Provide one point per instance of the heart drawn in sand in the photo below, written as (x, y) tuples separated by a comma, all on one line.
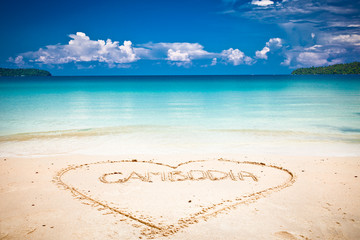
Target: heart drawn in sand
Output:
[(164, 198)]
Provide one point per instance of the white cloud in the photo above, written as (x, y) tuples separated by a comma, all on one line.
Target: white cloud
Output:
[(236, 57), (177, 53), (317, 55), (271, 45), (347, 38), (19, 60), (262, 3), (312, 58), (263, 53), (178, 56), (159, 50), (81, 49), (274, 43), (84, 52), (213, 62), (317, 59)]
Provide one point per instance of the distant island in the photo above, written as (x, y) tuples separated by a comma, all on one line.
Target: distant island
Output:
[(348, 68), (20, 72)]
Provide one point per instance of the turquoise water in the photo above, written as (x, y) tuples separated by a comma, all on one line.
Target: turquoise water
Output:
[(102, 105)]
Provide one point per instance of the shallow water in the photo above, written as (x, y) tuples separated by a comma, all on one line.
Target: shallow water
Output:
[(242, 108)]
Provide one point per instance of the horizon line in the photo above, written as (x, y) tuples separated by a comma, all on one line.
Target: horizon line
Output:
[(161, 75)]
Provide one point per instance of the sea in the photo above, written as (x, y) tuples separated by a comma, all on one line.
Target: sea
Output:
[(275, 114)]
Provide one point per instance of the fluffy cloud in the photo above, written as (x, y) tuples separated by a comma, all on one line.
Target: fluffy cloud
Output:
[(317, 55), (262, 3), (178, 51), (262, 53), (81, 49), (182, 54), (272, 44), (178, 56), (236, 57)]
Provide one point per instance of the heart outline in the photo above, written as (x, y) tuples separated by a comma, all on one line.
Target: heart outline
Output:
[(151, 229)]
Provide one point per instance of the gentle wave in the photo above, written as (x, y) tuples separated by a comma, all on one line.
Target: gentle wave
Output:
[(87, 132), (171, 130)]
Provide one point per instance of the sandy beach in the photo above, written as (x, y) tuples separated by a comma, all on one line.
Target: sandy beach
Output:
[(301, 198)]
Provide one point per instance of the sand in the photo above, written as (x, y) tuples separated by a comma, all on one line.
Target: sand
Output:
[(180, 197)]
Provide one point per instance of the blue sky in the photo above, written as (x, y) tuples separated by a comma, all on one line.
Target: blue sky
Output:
[(178, 37)]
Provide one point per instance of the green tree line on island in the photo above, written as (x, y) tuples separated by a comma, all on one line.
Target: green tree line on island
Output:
[(348, 68), (19, 72)]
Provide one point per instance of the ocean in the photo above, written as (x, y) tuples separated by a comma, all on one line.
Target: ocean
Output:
[(179, 113)]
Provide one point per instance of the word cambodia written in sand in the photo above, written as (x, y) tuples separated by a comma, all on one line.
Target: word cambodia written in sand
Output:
[(171, 197), (174, 176)]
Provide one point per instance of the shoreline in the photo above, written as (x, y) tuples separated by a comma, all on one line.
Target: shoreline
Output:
[(196, 146)]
